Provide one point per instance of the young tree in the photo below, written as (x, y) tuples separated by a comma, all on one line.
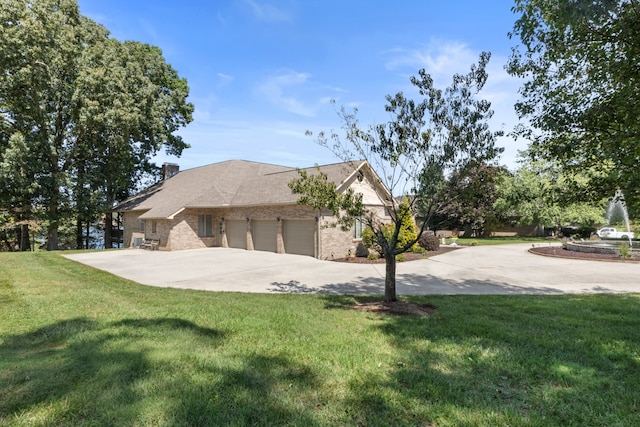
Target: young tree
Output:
[(411, 153), (582, 93)]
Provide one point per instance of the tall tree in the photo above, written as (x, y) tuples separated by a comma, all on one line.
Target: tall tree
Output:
[(130, 103), (18, 187), (469, 197), (411, 153), (542, 193), (582, 93), (92, 110)]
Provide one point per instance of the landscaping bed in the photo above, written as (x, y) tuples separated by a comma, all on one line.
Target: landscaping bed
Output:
[(408, 256), (560, 252)]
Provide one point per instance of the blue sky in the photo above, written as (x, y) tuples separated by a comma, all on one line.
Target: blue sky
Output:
[(262, 72)]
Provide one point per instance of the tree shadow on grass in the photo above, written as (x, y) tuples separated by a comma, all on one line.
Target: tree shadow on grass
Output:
[(136, 372), (260, 390), (508, 360)]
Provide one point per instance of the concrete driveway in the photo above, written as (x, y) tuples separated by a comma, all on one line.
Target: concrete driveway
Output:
[(502, 269)]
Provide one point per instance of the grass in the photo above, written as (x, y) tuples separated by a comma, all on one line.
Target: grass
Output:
[(82, 347)]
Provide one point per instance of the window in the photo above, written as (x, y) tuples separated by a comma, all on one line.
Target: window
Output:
[(154, 227), (142, 225), (205, 225), (358, 226)]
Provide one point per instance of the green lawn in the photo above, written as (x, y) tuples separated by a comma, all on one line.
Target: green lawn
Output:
[(81, 347)]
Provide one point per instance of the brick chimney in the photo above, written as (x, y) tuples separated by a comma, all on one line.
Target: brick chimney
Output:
[(169, 170)]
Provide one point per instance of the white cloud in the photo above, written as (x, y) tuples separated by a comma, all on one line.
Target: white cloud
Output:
[(224, 79), (281, 90), (441, 59), (268, 12)]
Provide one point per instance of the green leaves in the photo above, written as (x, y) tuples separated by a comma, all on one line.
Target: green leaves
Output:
[(93, 111), (318, 192), (582, 93), (412, 152)]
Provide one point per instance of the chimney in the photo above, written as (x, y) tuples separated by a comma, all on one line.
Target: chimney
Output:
[(169, 170)]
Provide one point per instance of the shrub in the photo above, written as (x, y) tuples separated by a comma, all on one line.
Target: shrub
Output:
[(373, 256), (429, 242), (474, 243), (408, 231), (400, 257), (625, 251), (362, 251)]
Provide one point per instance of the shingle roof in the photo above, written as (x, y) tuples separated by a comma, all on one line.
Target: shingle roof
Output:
[(227, 184)]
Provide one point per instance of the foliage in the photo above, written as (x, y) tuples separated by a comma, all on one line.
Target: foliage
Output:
[(82, 114), (541, 193), (79, 346), (361, 250), (319, 192), (470, 194), (582, 95), (408, 234), (625, 251), (429, 242), (411, 154)]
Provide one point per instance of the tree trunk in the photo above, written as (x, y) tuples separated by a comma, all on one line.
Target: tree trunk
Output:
[(54, 218), (468, 231), (24, 238), (108, 227), (52, 237), (390, 277), (79, 234)]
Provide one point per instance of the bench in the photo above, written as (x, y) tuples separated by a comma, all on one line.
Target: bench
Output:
[(150, 244)]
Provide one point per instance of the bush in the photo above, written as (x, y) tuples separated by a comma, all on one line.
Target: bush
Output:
[(429, 242), (373, 256), (625, 251), (400, 257), (362, 251)]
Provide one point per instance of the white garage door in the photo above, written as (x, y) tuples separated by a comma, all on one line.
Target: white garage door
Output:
[(236, 233), (298, 237), (265, 234)]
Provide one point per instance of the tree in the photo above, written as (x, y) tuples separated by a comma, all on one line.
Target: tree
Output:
[(470, 194), (541, 193), (17, 187), (411, 153), (92, 110), (582, 93)]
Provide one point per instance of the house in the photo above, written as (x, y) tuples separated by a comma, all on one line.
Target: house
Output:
[(247, 205)]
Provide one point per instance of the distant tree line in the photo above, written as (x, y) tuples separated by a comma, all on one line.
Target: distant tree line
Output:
[(81, 116)]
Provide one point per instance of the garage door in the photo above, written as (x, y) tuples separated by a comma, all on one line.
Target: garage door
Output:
[(264, 235), (298, 237), (236, 233)]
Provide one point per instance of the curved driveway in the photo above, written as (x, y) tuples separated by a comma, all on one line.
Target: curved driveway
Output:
[(501, 269)]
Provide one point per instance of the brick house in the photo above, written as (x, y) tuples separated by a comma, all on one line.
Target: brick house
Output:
[(247, 205)]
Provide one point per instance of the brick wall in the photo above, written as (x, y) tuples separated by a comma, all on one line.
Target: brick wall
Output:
[(181, 232)]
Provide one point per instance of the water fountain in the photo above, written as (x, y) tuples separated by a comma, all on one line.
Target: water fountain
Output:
[(616, 212)]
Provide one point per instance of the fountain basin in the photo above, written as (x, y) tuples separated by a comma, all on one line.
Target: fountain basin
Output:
[(601, 247)]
